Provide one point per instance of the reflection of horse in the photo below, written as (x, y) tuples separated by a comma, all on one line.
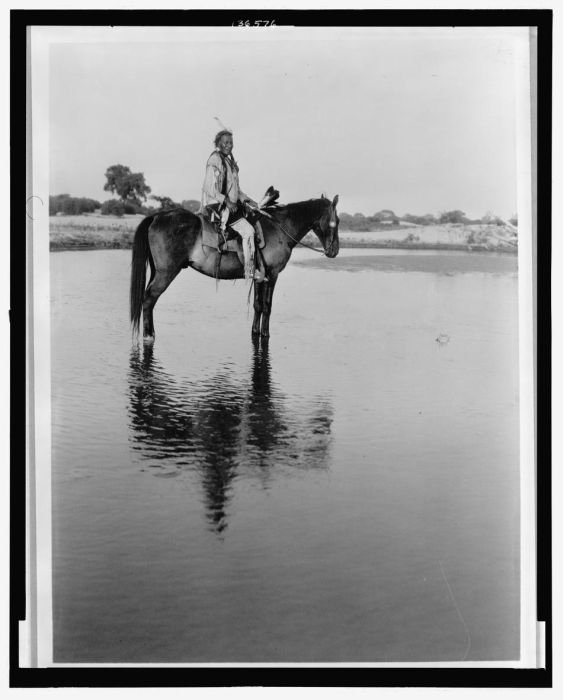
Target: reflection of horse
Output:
[(171, 240), (222, 428)]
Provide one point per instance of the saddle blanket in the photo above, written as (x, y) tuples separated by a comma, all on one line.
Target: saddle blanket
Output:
[(210, 237)]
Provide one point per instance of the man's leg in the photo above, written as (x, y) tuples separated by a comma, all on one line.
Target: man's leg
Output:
[(246, 231), (224, 218)]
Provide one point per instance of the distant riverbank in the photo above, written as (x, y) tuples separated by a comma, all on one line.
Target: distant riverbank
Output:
[(94, 232)]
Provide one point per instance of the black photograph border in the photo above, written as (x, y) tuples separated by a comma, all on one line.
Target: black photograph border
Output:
[(140, 676)]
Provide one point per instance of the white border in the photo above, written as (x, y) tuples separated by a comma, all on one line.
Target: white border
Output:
[(41, 299), (526, 358), (42, 37)]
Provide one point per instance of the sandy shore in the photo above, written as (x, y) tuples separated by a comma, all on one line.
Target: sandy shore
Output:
[(97, 231)]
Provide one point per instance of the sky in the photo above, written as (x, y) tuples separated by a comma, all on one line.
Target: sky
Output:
[(417, 120)]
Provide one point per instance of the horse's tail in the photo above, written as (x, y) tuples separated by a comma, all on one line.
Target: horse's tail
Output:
[(139, 260)]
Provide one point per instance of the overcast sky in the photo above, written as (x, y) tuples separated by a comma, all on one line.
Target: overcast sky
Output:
[(414, 120)]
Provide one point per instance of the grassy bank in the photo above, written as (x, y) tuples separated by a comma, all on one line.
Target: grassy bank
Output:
[(92, 232)]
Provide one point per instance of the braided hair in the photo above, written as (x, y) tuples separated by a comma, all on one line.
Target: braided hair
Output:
[(233, 162)]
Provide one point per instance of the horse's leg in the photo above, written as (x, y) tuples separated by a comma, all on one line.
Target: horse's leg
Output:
[(267, 295), (159, 284), (258, 293)]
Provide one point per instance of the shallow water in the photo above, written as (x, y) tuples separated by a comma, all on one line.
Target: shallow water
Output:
[(348, 492)]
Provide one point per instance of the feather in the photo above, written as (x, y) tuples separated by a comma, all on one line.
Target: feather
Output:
[(221, 125), (270, 196)]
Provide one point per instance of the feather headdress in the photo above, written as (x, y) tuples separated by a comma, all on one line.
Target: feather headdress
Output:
[(222, 126)]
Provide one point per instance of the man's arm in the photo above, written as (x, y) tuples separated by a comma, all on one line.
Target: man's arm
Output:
[(213, 182)]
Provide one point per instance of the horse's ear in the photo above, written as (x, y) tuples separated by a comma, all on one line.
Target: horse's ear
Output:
[(335, 201), (323, 196)]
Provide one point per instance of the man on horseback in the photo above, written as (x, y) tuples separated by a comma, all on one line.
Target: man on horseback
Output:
[(224, 203)]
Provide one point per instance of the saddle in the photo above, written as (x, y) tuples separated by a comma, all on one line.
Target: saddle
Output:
[(211, 235)]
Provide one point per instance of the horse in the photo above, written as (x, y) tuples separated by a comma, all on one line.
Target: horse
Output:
[(171, 240)]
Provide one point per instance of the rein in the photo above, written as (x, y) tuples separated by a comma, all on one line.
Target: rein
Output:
[(305, 245)]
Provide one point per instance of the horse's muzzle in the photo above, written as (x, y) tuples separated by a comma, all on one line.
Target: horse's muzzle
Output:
[(331, 251)]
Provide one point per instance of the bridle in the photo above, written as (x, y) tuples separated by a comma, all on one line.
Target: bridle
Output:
[(332, 225), (316, 227)]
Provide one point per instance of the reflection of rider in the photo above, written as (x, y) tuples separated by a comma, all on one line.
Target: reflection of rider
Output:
[(222, 198), (223, 426)]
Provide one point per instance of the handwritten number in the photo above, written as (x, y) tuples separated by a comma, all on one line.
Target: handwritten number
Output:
[(256, 23)]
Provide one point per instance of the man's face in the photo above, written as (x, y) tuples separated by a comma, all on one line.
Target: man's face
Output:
[(226, 144)]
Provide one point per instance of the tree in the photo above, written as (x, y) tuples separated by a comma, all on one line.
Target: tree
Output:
[(165, 202), (456, 216), (429, 219), (130, 187), (416, 219), (386, 215)]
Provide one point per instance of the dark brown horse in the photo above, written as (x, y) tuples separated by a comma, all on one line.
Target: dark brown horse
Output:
[(171, 240)]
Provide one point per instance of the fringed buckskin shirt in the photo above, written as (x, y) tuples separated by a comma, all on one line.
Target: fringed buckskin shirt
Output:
[(212, 192)]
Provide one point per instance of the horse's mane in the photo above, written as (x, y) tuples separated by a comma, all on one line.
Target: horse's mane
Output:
[(291, 208)]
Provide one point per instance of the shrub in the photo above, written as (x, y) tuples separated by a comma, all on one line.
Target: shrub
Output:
[(56, 203), (132, 208), (455, 216), (165, 202), (66, 204), (70, 206), (113, 207), (425, 220)]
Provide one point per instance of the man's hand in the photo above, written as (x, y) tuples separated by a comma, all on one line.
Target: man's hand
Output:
[(231, 206)]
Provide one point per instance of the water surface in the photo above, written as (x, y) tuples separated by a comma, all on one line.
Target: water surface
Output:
[(347, 492)]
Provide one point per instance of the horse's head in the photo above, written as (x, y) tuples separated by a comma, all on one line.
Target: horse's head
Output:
[(326, 227)]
